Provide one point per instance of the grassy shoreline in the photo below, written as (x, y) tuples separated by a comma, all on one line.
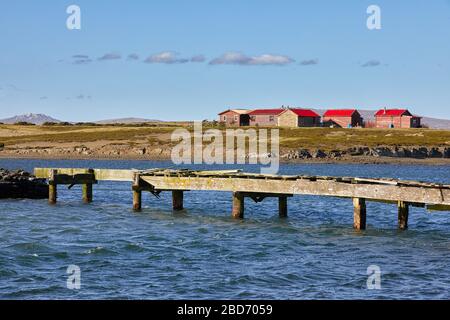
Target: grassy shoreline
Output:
[(289, 137), (126, 142)]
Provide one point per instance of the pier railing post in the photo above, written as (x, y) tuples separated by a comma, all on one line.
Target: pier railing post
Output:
[(52, 187), (282, 206), (137, 193), (403, 213), (177, 200), (238, 205), (359, 213), (87, 189)]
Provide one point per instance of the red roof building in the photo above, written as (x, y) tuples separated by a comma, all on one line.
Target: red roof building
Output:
[(264, 117), (305, 113), (298, 118), (396, 118), (266, 111), (235, 117), (344, 118)]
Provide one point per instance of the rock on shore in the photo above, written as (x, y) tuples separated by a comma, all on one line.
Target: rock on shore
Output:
[(392, 152), (162, 152), (20, 185)]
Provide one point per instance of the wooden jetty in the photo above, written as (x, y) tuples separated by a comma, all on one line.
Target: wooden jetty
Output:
[(433, 196)]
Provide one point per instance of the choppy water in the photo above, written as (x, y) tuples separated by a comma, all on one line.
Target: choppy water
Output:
[(202, 253)]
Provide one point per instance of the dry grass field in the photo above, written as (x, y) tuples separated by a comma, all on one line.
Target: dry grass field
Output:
[(324, 138)]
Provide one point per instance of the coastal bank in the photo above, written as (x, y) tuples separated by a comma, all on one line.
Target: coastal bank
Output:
[(303, 145)]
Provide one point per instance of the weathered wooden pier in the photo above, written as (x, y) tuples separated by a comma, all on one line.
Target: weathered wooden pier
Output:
[(403, 194)]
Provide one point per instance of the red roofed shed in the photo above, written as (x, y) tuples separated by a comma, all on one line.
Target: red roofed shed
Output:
[(298, 118), (234, 117), (396, 118), (264, 117), (345, 118)]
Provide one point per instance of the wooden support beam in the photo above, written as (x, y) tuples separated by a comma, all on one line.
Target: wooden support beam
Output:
[(137, 200), (137, 193), (359, 213), (282, 206), (100, 174), (416, 194), (52, 193), (87, 189), (256, 198), (438, 207), (403, 213), (265, 195), (412, 204), (87, 192), (52, 187), (177, 200), (238, 205), (81, 178)]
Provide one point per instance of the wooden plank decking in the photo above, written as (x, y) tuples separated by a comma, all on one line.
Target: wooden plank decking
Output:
[(257, 187)]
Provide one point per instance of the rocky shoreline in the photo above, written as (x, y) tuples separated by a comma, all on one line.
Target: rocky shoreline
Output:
[(21, 185), (358, 154), (377, 152)]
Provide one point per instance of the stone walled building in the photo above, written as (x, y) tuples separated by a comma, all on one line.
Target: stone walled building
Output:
[(344, 118), (396, 118), (264, 117), (235, 117), (298, 118)]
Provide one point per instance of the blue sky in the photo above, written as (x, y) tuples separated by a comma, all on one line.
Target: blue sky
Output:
[(252, 53)]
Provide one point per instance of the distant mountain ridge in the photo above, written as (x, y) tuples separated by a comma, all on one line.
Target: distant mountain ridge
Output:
[(39, 118), (36, 118), (126, 120)]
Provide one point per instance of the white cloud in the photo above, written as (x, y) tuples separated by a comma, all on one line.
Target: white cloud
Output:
[(167, 57), (238, 58)]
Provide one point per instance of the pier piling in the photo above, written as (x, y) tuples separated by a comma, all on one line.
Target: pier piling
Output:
[(403, 213), (137, 200), (52, 187), (87, 192), (282, 206), (87, 189), (52, 193), (359, 213), (137, 193), (238, 205), (177, 200)]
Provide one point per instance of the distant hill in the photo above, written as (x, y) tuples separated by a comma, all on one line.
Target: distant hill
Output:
[(39, 118), (126, 120), (436, 123), (433, 123), (36, 118)]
